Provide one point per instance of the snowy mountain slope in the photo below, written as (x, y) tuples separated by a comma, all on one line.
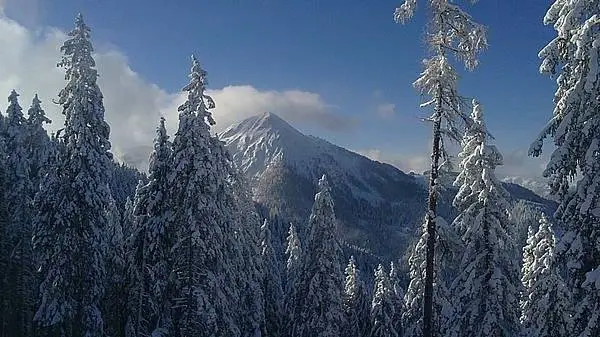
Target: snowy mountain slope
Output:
[(378, 206)]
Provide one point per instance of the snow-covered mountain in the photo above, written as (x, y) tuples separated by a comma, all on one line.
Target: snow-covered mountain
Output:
[(537, 185), (378, 206)]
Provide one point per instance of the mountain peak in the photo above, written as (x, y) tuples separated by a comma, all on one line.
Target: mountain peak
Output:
[(260, 124), (262, 139)]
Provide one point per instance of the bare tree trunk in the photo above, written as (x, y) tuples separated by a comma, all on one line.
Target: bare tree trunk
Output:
[(430, 216)]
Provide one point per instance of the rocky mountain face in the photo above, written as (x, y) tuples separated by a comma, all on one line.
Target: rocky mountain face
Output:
[(378, 206)]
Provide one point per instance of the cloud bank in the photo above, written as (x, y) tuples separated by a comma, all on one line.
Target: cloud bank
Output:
[(133, 105)]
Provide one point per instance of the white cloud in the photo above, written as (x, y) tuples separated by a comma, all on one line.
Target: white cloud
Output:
[(386, 110), (406, 163), (516, 163), (373, 154), (133, 106), (235, 103)]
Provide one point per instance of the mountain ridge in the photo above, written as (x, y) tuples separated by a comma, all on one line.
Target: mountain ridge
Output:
[(379, 207)]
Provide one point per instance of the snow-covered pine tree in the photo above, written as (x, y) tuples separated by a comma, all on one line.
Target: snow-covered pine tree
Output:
[(412, 316), (356, 303), (452, 31), (4, 247), (38, 140), (114, 304), (545, 302), (382, 307), (487, 285), (250, 266), (397, 298), (71, 219), (318, 309), (19, 197), (572, 56), (201, 200), (293, 251), (147, 248), (271, 284)]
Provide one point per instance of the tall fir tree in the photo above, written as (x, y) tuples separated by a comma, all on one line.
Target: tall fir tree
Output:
[(318, 308), (4, 246), (572, 57), (450, 31), (250, 266), (114, 305), (382, 307), (293, 251), (201, 199), (545, 302), (148, 246), (486, 287), (356, 303), (19, 198), (412, 316), (38, 140), (271, 284), (69, 239), (397, 298)]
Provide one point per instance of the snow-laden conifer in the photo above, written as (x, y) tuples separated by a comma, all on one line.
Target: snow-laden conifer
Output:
[(572, 57), (70, 232), (450, 31), (486, 287), (148, 246), (318, 308), (397, 298), (4, 244), (201, 199), (356, 303), (250, 265), (271, 284), (115, 297), (38, 140), (412, 316), (20, 271), (382, 307), (545, 302), (293, 251)]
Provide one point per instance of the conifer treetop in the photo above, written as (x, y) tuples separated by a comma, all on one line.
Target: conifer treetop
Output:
[(198, 102), (36, 113)]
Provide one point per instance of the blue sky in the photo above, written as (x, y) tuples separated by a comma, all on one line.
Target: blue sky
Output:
[(349, 52)]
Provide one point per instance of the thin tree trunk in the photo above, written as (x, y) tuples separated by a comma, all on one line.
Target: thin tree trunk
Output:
[(430, 216)]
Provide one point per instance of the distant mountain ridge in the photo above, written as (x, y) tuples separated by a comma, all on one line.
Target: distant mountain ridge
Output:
[(378, 206)]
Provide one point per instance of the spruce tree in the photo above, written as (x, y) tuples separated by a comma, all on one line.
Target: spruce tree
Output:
[(451, 31), (250, 265), (201, 200), (572, 58), (486, 287), (293, 251), (382, 307), (318, 308), (38, 141), (271, 283), (545, 302), (357, 307), (412, 316), (69, 238), (4, 246), (397, 298), (115, 298), (19, 198), (147, 248)]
